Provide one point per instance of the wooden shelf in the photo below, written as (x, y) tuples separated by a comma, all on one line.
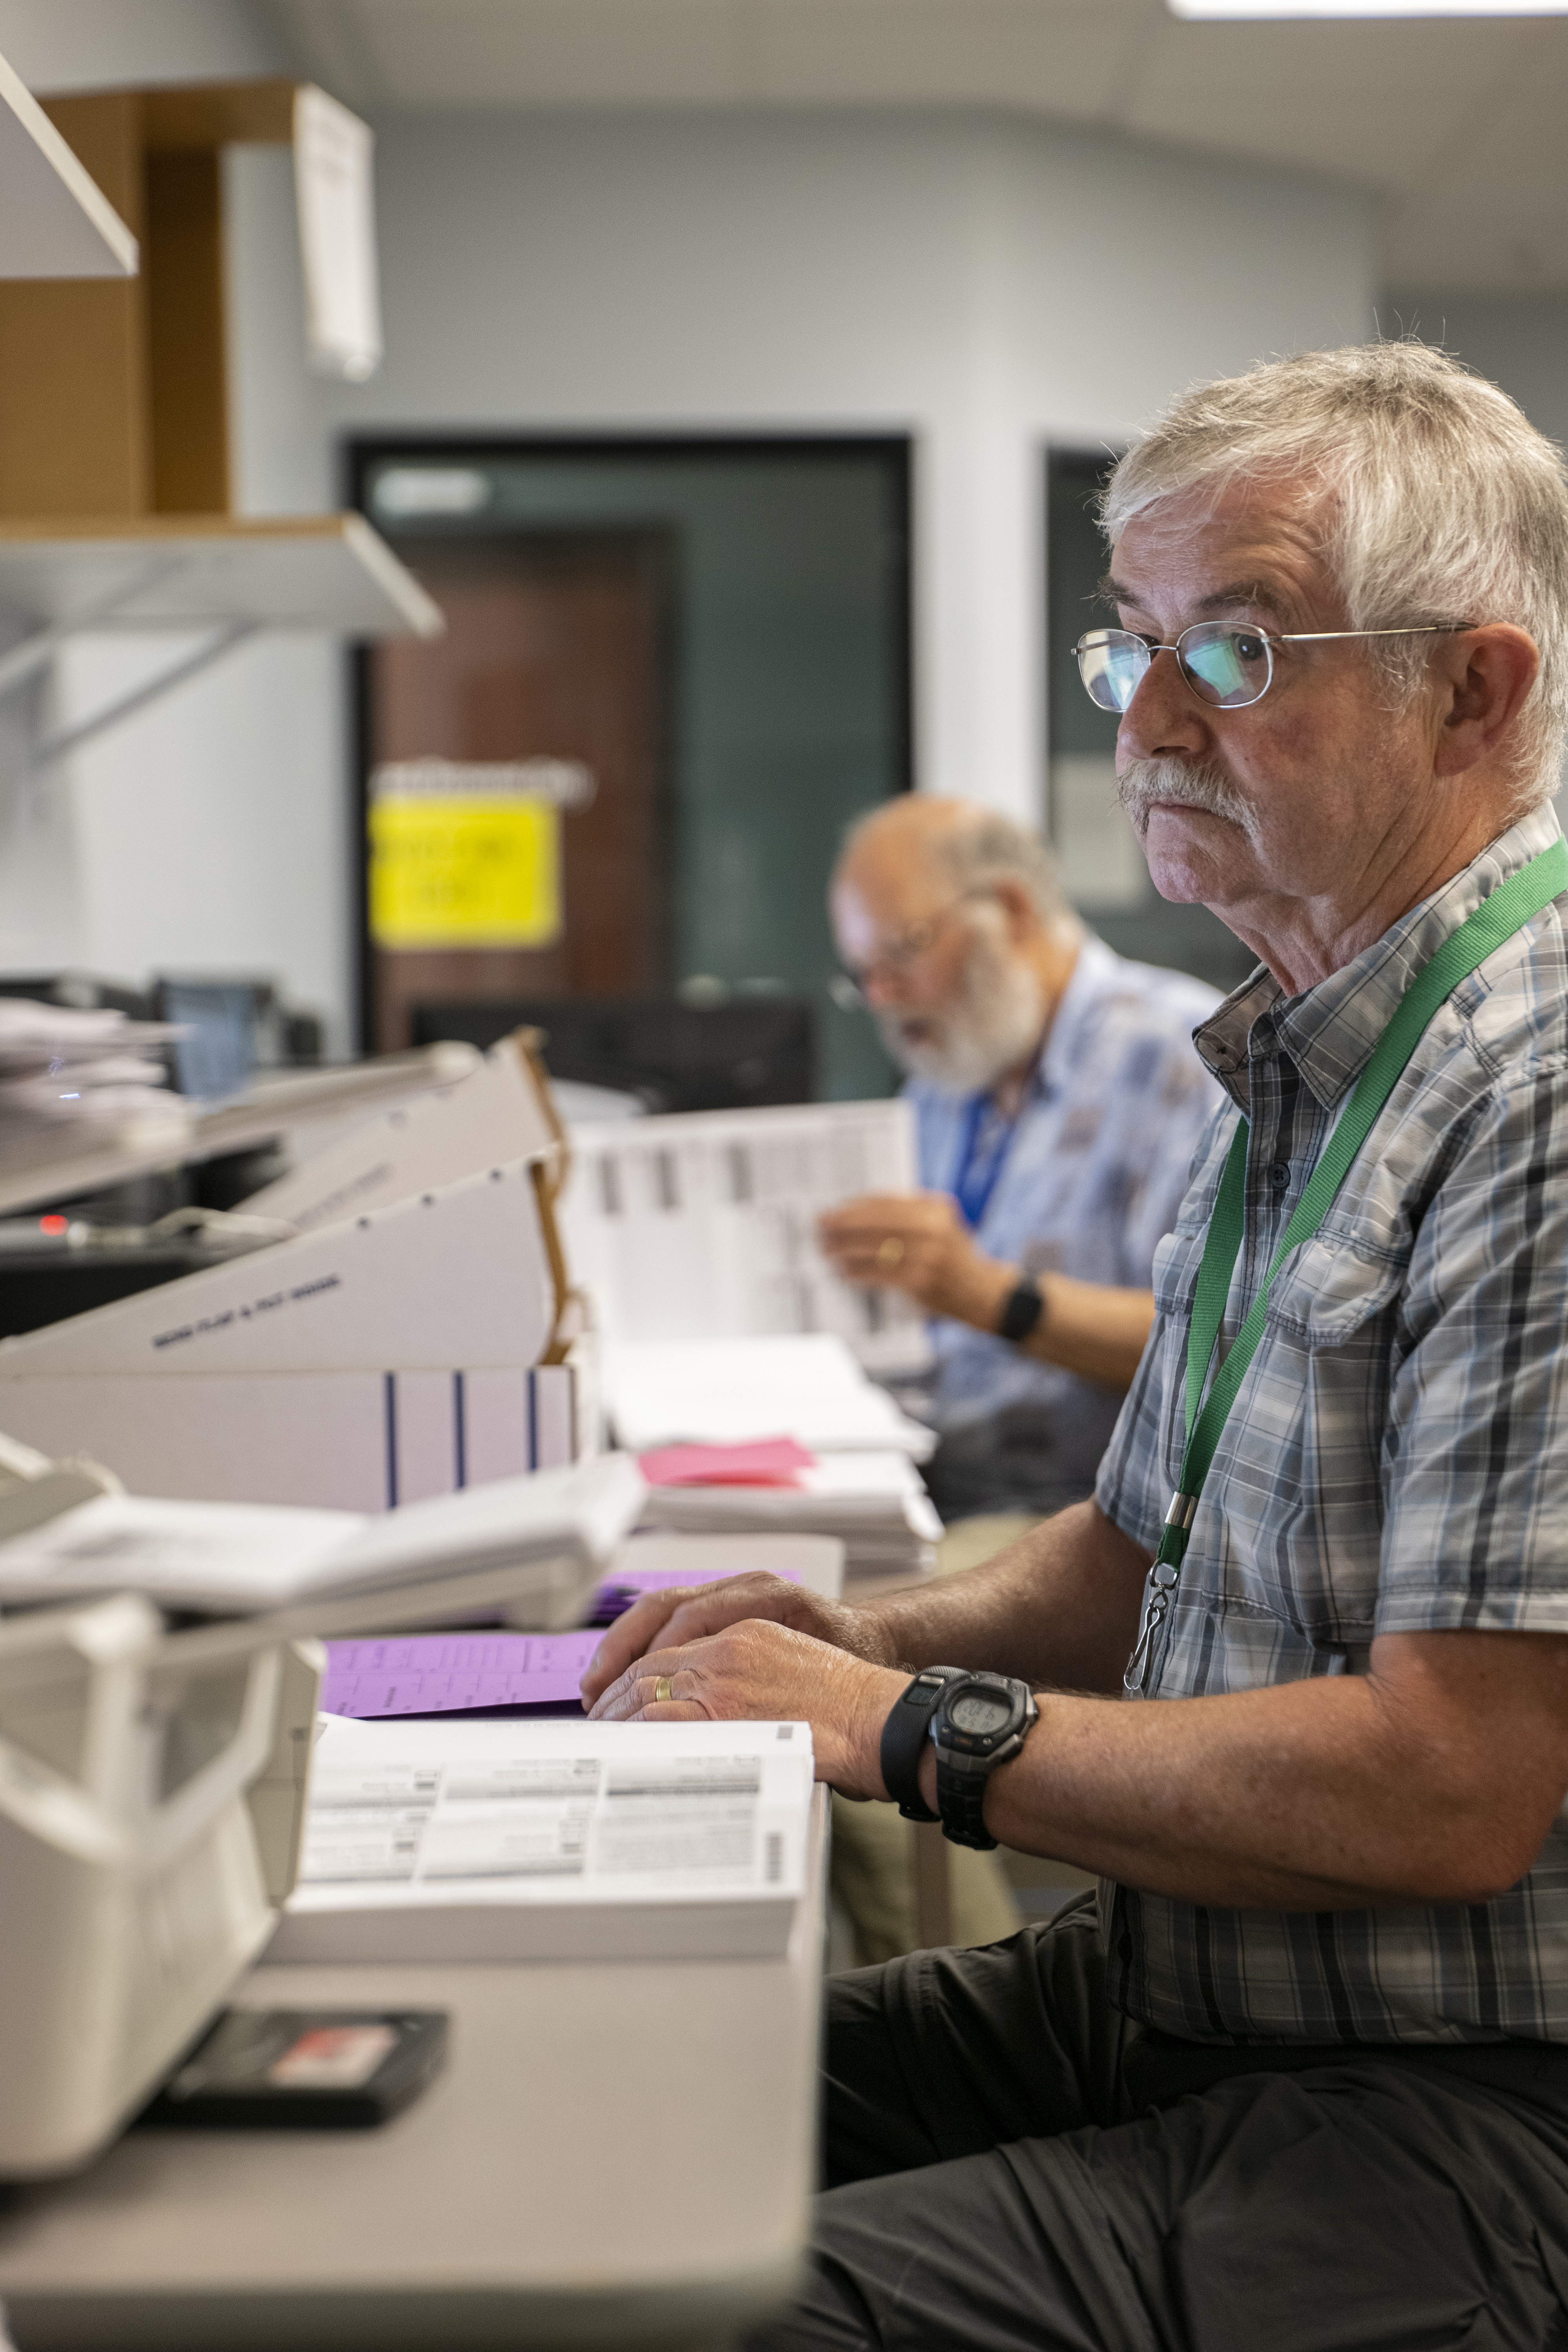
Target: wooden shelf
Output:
[(71, 573), (55, 220)]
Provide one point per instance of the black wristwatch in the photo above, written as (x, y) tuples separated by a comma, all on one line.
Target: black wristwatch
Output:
[(980, 1722), (1026, 1305), (904, 1737)]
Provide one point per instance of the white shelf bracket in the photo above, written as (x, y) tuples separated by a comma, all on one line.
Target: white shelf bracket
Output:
[(60, 745), (23, 661)]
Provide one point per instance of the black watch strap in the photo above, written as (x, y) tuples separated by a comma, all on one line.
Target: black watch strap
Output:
[(960, 1804), (1026, 1305), (905, 1738)]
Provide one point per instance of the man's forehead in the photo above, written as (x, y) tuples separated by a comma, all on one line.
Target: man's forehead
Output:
[(1259, 548)]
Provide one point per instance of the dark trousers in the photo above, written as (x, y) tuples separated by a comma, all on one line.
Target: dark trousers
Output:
[(1012, 2167)]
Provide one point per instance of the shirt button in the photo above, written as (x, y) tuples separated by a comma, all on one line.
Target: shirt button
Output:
[(1279, 1174)]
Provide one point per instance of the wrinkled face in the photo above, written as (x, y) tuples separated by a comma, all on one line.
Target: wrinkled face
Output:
[(1293, 796), (956, 1003)]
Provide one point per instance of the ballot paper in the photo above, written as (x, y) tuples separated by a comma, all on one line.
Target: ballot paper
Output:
[(478, 1840), (442, 1673), (703, 1224), (446, 1674), (807, 1387), (232, 1558)]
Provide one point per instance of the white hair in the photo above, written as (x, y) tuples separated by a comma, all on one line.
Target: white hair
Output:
[(1441, 503), (988, 848)]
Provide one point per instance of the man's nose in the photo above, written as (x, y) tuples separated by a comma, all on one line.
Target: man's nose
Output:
[(883, 989), (1164, 715)]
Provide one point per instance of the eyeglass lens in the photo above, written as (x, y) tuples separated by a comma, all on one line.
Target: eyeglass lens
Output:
[(1225, 666)]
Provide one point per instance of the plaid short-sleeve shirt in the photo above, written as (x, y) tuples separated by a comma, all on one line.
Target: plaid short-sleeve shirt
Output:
[(1396, 1461)]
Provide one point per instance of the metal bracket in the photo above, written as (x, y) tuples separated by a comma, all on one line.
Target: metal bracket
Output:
[(67, 739), (23, 661)]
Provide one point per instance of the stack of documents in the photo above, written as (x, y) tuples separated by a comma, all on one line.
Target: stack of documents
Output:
[(725, 1391), (486, 1840), (856, 1479), (70, 1077), (874, 1502)]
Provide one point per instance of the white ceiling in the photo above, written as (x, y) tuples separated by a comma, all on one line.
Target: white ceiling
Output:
[(1458, 125)]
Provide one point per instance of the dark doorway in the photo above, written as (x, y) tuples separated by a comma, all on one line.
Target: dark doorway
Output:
[(771, 597), (553, 651)]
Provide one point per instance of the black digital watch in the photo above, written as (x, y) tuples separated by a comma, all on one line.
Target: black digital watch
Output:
[(904, 1737), (980, 1721)]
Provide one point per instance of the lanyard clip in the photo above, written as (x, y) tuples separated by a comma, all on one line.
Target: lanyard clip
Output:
[(1164, 1577)]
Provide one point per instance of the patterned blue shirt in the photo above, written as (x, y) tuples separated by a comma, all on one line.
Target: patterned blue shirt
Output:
[(1089, 1180), (1396, 1461)]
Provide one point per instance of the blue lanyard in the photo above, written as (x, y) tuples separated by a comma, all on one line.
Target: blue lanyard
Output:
[(976, 1183)]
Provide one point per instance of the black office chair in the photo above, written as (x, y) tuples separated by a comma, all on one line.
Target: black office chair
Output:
[(735, 1055)]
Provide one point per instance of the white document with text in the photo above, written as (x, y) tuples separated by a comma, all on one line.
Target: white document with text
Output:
[(508, 1840)]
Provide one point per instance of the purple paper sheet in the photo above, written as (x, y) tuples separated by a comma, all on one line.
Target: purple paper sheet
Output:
[(452, 1674), (445, 1674)]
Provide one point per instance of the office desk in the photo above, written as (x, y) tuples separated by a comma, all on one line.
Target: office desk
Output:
[(615, 2156)]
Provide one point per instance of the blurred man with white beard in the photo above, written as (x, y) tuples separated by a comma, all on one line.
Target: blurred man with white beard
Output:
[(1058, 1100)]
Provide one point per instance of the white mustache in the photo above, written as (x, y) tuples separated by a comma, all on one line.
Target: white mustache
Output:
[(1178, 784)]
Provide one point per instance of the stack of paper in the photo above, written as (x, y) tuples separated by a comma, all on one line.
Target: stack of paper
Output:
[(727, 1391), (87, 1076), (484, 1840), (874, 1502)]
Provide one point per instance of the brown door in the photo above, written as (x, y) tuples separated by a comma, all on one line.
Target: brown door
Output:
[(553, 650)]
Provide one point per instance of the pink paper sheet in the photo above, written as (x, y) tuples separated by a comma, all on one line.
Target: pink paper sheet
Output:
[(761, 1462)]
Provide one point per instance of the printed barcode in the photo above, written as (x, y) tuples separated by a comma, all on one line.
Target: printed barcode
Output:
[(773, 1857)]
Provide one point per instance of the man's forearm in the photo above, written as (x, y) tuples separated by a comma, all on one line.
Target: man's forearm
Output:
[(1324, 1795), (1060, 1607)]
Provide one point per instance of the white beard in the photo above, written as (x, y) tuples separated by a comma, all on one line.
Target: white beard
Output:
[(998, 1018)]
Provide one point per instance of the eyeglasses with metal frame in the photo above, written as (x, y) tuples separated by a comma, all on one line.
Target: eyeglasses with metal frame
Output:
[(894, 956), (1227, 667)]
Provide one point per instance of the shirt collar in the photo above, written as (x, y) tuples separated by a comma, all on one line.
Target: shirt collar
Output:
[(1329, 1031)]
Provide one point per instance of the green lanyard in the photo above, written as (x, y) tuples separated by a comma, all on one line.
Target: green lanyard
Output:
[(1495, 920)]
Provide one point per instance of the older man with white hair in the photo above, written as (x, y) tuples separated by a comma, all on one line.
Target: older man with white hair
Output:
[(1295, 1683), (1057, 1103)]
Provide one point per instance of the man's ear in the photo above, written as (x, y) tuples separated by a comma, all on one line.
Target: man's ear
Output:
[(1485, 677), (1022, 917)]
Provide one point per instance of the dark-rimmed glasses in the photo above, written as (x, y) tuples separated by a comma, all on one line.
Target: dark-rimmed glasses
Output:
[(1226, 666)]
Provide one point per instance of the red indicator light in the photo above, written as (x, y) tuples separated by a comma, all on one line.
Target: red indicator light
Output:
[(54, 1225)]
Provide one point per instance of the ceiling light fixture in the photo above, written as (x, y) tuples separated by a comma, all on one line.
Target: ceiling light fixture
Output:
[(1237, 10)]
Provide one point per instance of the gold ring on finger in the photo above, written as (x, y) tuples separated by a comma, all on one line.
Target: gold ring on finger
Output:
[(663, 1691), (891, 1252)]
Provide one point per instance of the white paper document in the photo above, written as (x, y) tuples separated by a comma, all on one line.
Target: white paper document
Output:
[(723, 1391), (333, 158), (703, 1224), (506, 1840)]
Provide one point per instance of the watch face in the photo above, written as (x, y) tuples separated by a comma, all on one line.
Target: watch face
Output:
[(980, 1711)]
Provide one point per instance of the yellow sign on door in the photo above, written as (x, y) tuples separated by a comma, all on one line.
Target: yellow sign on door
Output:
[(446, 872)]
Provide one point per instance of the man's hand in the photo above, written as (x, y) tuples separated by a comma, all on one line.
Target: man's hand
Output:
[(770, 1674), (919, 1244), (686, 1612)]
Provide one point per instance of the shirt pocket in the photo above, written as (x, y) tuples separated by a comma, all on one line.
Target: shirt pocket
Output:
[(1332, 1287)]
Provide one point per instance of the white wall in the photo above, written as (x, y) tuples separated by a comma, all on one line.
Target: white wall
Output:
[(986, 285)]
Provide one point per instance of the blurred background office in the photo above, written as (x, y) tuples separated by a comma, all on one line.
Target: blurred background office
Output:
[(749, 368)]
